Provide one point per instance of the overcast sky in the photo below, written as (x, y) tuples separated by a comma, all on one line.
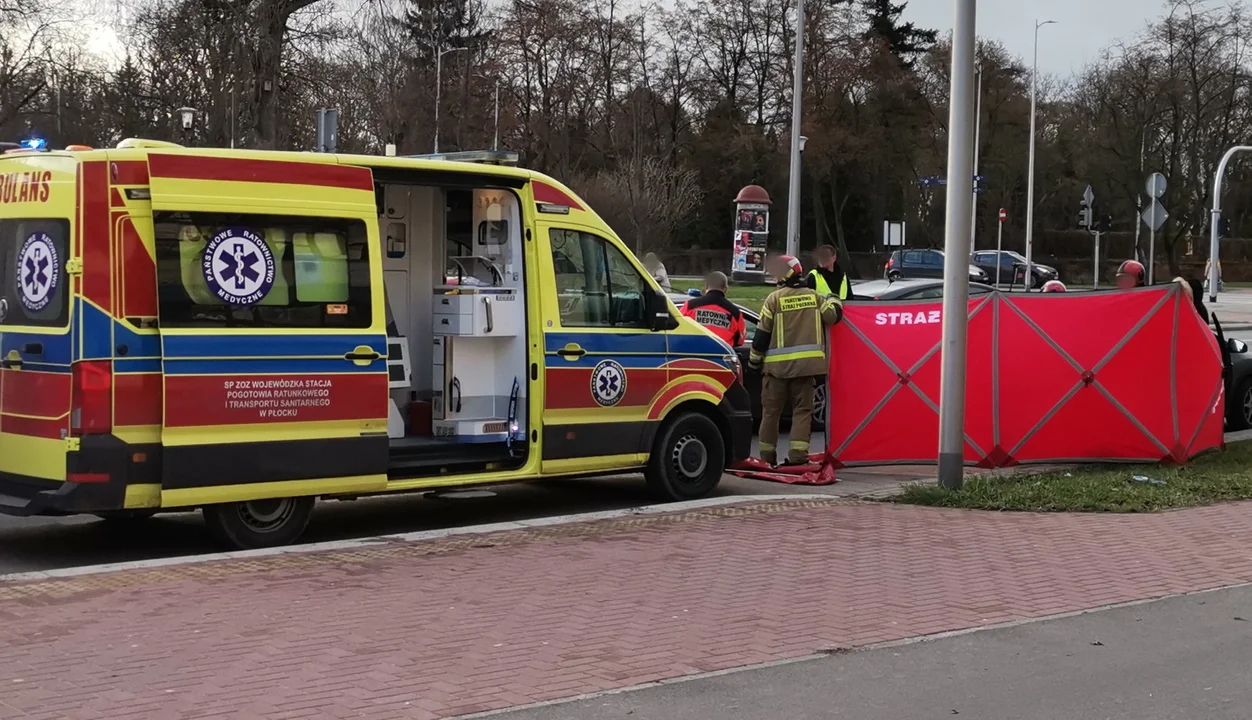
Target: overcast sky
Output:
[(1084, 27)]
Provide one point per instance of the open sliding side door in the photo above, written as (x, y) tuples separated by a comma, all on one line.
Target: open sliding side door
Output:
[(272, 324)]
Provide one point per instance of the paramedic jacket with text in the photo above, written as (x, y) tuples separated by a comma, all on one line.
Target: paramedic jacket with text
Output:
[(719, 315)]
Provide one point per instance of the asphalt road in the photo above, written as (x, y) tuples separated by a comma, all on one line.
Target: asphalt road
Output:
[(1183, 657), (28, 544)]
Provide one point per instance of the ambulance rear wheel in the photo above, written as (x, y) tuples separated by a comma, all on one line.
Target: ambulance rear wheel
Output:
[(687, 460), (259, 523)]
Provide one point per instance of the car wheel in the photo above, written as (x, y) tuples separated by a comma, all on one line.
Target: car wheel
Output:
[(893, 276), (1239, 407), (819, 404), (259, 523), (687, 460)]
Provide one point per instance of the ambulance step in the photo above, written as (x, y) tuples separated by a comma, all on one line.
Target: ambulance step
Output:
[(12, 505), (418, 457)]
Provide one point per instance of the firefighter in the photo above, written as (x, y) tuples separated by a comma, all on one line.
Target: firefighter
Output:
[(1130, 275), (712, 310), (828, 277), (1054, 286), (790, 351)]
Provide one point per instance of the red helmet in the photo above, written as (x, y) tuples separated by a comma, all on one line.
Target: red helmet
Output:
[(1054, 286), (1133, 268), (793, 266)]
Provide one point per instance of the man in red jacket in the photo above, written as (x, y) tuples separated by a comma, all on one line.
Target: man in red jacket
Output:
[(715, 312)]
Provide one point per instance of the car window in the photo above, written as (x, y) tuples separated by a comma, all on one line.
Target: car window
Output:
[(978, 290), (914, 258), (596, 285), (934, 259), (749, 330), (927, 293)]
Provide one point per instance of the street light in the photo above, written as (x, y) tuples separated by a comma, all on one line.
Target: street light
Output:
[(1030, 173), (439, 87), (188, 118), (797, 141)]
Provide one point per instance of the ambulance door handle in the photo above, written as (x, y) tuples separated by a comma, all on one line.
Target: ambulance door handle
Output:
[(487, 306), (12, 361), (571, 351), (362, 355)]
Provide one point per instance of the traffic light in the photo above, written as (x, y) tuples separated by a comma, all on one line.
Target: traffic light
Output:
[(1104, 224), (1085, 215), (1223, 228)]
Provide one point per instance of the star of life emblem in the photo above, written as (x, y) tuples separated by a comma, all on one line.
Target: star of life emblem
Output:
[(608, 383)]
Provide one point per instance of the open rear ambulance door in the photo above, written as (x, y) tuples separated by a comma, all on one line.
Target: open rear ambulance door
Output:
[(272, 327)]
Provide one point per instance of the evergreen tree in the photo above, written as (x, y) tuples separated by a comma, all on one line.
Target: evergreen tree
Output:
[(904, 39)]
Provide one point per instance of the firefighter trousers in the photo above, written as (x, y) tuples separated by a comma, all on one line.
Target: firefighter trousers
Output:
[(775, 392)]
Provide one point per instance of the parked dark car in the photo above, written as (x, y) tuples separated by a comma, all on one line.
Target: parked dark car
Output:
[(924, 263), (908, 290), (1012, 268)]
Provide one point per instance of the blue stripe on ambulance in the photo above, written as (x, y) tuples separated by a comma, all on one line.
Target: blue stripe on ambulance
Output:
[(56, 355), (608, 343)]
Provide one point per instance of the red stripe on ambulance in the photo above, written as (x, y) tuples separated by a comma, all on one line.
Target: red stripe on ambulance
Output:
[(137, 399), (260, 171), (97, 269), (37, 394), (200, 400)]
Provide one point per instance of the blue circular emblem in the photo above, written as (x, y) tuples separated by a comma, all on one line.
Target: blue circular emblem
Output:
[(608, 383), (38, 271), (238, 266)]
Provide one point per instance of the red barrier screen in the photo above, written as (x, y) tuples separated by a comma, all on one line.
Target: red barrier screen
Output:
[(1116, 376)]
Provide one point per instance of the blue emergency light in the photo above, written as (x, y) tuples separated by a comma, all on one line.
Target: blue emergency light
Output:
[(35, 143)]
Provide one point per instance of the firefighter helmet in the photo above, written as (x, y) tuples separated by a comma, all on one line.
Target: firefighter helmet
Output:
[(1054, 286), (792, 265), (1133, 268)]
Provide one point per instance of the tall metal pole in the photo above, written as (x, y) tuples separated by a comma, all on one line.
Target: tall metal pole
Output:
[(956, 249), (1151, 252), (495, 145), (1143, 137), (999, 256), (973, 215), (1095, 285), (1030, 173), (439, 93), (1216, 217), (797, 110)]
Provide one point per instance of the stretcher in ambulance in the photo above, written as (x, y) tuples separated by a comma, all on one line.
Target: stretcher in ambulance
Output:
[(246, 332)]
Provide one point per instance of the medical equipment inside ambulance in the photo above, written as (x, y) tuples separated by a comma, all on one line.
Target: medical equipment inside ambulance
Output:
[(457, 334)]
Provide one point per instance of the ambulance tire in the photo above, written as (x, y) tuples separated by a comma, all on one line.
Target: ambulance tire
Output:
[(688, 458), (259, 523)]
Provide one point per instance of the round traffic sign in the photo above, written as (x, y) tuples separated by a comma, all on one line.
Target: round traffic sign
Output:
[(1004, 214), (1155, 185)]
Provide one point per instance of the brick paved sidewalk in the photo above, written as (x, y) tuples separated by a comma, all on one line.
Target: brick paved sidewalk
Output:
[(470, 623)]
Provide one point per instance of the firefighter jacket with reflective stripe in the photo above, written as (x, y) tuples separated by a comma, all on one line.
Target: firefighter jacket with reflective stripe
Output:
[(790, 338), (719, 315), (823, 281)]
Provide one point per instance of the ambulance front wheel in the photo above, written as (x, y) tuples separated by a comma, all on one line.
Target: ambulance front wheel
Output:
[(687, 460), (259, 523)]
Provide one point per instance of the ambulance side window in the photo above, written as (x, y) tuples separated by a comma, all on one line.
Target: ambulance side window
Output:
[(596, 286), (270, 271)]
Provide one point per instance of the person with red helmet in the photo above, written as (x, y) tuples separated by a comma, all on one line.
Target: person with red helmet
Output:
[(789, 349), (717, 314), (1131, 275), (1054, 286)]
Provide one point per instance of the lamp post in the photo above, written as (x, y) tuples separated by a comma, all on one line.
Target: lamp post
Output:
[(973, 220), (960, 205), (797, 142), (186, 120), (439, 87), (1030, 173)]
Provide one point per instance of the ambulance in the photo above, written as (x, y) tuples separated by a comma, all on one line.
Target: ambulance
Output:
[(246, 332)]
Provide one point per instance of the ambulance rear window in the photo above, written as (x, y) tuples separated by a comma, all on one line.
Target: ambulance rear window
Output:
[(237, 270), (33, 281)]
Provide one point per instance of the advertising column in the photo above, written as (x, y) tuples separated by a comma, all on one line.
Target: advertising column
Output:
[(751, 235)]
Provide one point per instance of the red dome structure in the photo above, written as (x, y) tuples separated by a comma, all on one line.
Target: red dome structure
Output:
[(753, 194)]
